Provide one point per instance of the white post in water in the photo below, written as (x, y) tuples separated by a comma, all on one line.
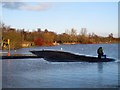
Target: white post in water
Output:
[(61, 48)]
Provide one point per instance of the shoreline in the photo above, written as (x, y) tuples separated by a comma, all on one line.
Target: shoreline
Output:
[(60, 44)]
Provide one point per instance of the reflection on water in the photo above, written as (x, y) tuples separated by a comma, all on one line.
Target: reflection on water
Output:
[(100, 67), (39, 73), (43, 74), (8, 63)]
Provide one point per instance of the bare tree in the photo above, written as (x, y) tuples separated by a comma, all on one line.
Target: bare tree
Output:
[(83, 31)]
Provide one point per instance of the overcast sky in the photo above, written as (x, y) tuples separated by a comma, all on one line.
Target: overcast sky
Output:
[(98, 17)]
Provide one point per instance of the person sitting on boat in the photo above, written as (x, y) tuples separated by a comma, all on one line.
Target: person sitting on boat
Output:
[(100, 53)]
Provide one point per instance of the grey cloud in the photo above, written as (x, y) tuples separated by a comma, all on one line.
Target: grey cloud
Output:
[(12, 5), (26, 6), (38, 7)]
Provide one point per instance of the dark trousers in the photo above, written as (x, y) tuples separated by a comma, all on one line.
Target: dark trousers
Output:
[(99, 56)]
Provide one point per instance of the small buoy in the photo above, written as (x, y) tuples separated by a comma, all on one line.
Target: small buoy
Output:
[(15, 50), (61, 48)]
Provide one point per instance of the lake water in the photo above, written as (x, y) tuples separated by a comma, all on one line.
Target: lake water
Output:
[(39, 73)]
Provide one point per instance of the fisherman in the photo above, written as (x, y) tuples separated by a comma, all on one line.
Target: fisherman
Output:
[(100, 52)]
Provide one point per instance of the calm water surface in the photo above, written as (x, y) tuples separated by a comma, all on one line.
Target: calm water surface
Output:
[(39, 73)]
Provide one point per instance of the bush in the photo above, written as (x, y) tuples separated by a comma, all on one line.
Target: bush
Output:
[(41, 42)]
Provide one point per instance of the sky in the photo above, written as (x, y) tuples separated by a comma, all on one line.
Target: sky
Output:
[(98, 17)]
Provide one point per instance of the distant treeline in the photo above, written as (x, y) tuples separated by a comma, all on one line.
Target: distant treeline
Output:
[(47, 38)]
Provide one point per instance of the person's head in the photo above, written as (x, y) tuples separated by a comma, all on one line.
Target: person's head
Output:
[(100, 47)]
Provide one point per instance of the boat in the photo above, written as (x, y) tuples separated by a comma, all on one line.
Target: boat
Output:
[(61, 56)]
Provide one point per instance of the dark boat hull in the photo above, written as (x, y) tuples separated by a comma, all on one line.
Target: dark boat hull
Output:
[(59, 56)]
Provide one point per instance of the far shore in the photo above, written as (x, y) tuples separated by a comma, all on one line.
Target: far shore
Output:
[(83, 43), (27, 46)]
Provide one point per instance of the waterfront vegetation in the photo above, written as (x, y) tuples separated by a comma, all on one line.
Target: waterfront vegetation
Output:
[(21, 38)]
